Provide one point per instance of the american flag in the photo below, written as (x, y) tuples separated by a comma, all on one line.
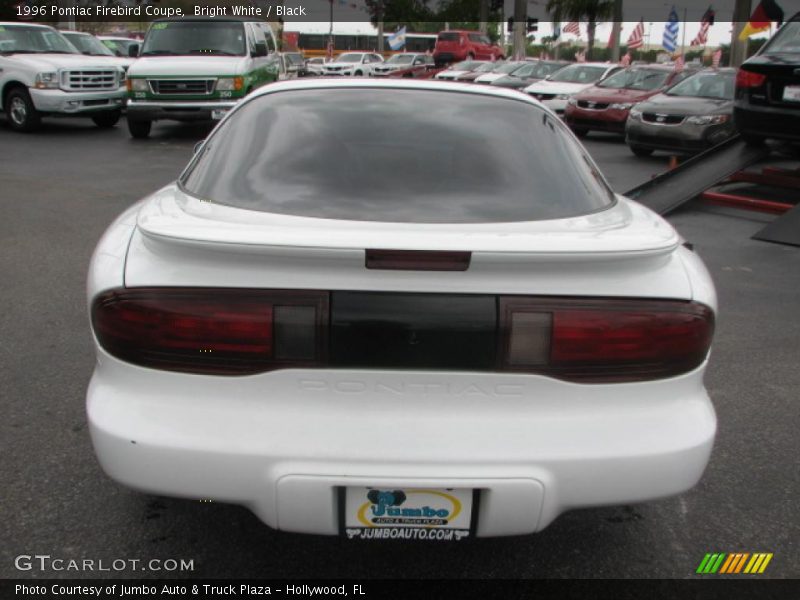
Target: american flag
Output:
[(625, 61), (706, 22), (572, 27), (637, 37), (680, 63), (716, 58)]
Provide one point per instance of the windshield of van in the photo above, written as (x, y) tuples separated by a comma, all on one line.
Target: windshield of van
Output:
[(220, 38)]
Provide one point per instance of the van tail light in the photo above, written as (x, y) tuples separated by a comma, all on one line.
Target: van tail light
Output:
[(213, 331), (603, 340), (748, 79)]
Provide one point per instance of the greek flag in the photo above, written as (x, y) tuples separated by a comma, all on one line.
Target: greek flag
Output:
[(670, 41), (398, 39)]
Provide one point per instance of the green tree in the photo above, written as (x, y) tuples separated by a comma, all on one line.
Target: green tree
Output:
[(576, 10)]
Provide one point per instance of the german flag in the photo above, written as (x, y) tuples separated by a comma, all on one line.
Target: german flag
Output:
[(765, 13)]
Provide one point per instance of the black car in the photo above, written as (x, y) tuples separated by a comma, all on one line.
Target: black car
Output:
[(768, 89)]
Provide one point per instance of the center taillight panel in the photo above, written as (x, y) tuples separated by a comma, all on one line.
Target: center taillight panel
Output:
[(242, 331)]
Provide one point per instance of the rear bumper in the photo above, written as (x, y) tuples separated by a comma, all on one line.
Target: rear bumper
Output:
[(281, 443), (77, 103), (142, 110), (768, 121)]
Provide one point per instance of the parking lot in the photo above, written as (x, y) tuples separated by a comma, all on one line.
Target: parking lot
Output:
[(61, 187)]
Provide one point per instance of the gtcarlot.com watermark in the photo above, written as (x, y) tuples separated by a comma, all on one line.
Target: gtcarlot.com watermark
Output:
[(47, 563)]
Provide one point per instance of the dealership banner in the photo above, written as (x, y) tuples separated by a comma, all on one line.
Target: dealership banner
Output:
[(393, 11), (505, 589)]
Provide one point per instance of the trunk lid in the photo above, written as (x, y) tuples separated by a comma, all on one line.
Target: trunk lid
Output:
[(625, 250)]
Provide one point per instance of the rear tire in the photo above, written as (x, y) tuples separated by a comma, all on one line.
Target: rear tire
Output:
[(22, 114), (107, 120), (752, 140), (139, 130), (640, 150)]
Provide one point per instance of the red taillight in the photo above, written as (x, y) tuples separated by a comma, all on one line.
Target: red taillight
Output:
[(212, 330), (748, 79), (604, 339)]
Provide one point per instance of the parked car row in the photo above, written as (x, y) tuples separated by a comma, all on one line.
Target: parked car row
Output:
[(197, 69), (655, 107)]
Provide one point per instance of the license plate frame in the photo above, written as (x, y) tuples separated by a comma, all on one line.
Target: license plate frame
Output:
[(364, 513)]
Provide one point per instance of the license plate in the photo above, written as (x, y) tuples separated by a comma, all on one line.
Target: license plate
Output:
[(218, 113), (408, 513), (791, 93)]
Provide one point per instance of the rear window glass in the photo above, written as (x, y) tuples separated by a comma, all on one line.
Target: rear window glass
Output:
[(786, 40), (373, 155), (448, 37)]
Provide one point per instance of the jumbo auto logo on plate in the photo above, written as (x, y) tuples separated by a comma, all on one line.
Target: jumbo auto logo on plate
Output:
[(440, 514)]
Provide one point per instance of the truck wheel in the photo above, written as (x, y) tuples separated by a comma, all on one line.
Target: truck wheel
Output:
[(641, 150), (139, 129), (107, 120), (22, 114)]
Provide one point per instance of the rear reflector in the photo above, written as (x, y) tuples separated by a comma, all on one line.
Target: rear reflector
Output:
[(218, 331), (603, 339), (417, 260)]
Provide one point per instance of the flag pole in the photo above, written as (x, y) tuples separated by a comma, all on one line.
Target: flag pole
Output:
[(683, 38)]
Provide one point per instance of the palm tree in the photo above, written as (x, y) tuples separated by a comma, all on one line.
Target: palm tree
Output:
[(576, 10)]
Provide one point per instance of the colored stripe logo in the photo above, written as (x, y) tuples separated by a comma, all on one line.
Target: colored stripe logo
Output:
[(734, 563)]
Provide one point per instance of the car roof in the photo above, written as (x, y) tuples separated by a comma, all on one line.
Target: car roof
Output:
[(15, 23), (655, 67), (594, 64), (70, 32)]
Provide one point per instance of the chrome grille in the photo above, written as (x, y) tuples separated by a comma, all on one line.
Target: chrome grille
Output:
[(592, 105), (88, 80), (180, 87), (663, 119)]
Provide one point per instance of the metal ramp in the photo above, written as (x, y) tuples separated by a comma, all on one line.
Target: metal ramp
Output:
[(668, 191), (783, 230)]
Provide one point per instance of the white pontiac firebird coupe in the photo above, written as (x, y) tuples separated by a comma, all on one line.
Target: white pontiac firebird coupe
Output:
[(468, 346)]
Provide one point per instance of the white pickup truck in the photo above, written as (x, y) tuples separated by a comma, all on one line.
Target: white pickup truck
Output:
[(42, 74)]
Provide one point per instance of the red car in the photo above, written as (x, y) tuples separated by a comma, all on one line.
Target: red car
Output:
[(605, 105), (456, 45)]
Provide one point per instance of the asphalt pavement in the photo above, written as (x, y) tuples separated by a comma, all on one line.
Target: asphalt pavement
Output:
[(61, 187)]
